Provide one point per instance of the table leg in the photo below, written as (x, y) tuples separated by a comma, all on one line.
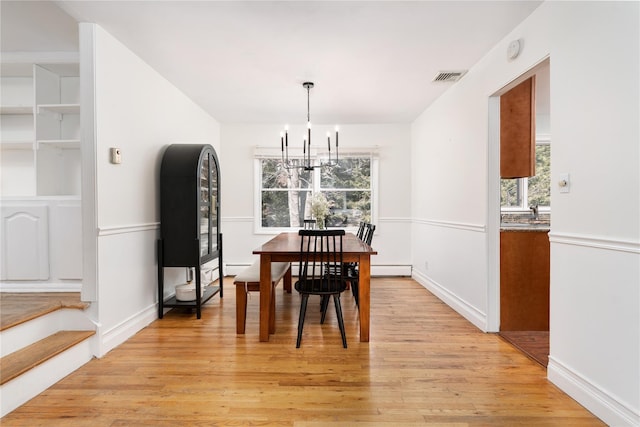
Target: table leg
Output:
[(272, 310), (364, 287), (286, 284), (265, 295)]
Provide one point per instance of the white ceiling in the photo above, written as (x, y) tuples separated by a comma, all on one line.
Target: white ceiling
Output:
[(371, 61)]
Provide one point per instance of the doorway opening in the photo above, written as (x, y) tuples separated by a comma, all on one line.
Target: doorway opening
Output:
[(520, 214)]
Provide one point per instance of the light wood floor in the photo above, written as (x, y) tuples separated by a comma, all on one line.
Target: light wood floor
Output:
[(425, 365)]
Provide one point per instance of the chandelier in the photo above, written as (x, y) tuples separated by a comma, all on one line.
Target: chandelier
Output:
[(306, 144)]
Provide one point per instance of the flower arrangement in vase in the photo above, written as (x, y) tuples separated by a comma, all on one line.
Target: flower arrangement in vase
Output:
[(319, 209)]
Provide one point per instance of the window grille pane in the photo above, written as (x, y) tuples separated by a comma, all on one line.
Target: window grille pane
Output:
[(510, 193), (540, 185), (275, 209), (272, 174), (353, 172), (348, 208), (284, 208)]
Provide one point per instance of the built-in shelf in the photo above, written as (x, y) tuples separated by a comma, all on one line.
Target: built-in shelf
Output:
[(16, 109), (40, 137), (60, 108), (59, 143), (16, 145)]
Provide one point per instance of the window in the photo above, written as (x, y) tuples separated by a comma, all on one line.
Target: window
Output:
[(285, 195), (520, 193), (347, 187)]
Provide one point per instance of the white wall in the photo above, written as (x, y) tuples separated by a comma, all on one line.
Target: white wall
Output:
[(595, 237), (140, 112), (394, 205)]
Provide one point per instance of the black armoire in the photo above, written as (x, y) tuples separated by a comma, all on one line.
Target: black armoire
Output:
[(189, 218)]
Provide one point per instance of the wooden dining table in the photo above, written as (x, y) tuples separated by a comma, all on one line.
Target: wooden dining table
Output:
[(286, 247)]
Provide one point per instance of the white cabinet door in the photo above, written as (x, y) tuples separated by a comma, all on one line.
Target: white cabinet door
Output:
[(25, 243)]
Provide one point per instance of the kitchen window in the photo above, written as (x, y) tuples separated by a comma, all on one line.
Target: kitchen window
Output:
[(285, 196), (519, 193)]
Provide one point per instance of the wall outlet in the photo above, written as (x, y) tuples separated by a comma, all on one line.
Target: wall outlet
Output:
[(426, 265)]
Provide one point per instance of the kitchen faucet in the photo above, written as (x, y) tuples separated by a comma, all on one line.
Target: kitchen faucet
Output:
[(534, 211)]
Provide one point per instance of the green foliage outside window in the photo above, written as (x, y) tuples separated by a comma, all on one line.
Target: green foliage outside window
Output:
[(348, 189), (540, 185), (510, 193)]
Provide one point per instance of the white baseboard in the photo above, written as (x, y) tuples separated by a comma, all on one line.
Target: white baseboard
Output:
[(112, 338), (390, 270), (598, 401), (234, 269), (376, 270), (465, 309)]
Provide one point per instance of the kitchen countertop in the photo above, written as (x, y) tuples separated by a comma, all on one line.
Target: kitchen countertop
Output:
[(525, 226)]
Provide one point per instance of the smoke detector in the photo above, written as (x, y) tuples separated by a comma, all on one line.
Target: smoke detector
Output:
[(449, 76)]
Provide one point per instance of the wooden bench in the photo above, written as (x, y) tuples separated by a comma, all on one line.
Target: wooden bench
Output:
[(249, 281)]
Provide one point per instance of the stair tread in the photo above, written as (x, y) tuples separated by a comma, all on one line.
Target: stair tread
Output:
[(18, 362), (17, 308)]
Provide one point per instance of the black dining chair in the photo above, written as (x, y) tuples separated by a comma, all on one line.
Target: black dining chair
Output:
[(349, 270), (367, 236), (352, 273), (319, 248), (309, 224), (362, 227)]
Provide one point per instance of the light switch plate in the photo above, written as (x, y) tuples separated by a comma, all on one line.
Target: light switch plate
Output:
[(116, 155), (564, 183)]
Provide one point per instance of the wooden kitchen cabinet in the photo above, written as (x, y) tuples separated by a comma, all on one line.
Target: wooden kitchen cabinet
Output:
[(517, 131), (524, 280)]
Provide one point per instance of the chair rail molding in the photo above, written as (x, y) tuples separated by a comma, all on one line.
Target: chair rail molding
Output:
[(480, 228), (400, 219), (237, 219), (598, 242), (130, 228)]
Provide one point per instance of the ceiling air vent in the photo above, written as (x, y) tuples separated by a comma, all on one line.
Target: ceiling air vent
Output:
[(449, 76)]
